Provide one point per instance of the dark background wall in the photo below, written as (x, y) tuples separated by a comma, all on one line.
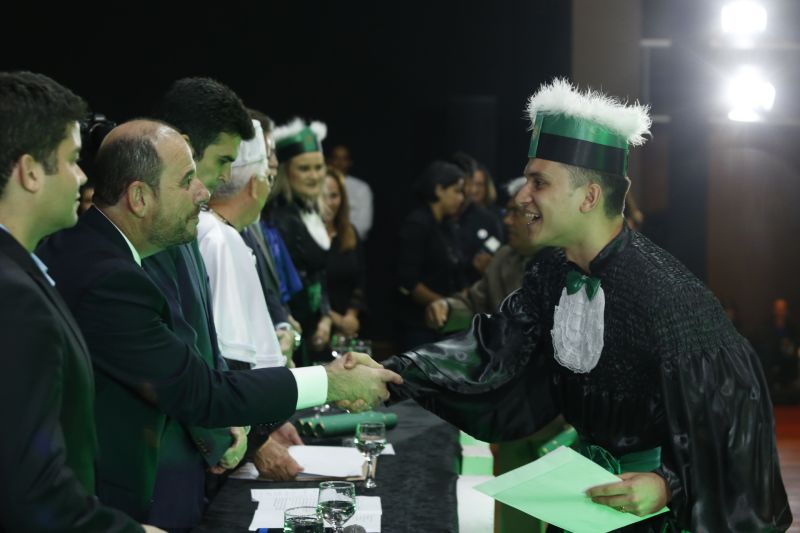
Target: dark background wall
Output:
[(400, 82)]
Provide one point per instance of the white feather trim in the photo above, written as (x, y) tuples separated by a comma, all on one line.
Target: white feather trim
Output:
[(320, 129), (296, 125), (561, 97)]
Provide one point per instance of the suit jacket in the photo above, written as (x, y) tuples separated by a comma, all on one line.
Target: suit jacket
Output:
[(48, 449), (267, 274), (144, 372), (186, 451)]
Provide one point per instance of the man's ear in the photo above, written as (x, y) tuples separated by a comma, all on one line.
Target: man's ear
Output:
[(29, 172), (252, 187), (592, 198), (140, 199)]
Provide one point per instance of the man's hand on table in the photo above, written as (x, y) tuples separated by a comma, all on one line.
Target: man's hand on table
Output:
[(358, 383), (274, 462), (287, 435)]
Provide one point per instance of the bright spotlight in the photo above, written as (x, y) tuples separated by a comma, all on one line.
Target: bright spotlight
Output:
[(744, 18), (749, 95)]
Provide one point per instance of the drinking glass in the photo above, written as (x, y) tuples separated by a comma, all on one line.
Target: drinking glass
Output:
[(337, 502), (370, 441), (302, 520)]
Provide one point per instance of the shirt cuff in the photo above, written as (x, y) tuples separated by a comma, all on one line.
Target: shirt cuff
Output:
[(312, 385)]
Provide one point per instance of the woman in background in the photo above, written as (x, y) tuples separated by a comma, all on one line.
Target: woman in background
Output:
[(295, 212), (430, 265), (346, 268)]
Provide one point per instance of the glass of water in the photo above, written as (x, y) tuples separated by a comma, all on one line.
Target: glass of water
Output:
[(370, 441), (302, 520), (337, 502)]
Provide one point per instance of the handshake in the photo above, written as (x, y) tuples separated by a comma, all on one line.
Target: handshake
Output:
[(357, 383)]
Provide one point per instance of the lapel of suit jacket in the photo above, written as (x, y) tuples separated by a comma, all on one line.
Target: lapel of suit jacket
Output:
[(21, 257), (256, 235)]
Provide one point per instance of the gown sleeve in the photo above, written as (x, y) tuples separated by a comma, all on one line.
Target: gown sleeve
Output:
[(490, 380), (722, 466)]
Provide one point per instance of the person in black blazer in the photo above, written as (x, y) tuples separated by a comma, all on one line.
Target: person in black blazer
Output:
[(48, 448), (145, 372)]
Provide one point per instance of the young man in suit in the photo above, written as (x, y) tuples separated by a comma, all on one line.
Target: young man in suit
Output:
[(147, 198), (47, 391)]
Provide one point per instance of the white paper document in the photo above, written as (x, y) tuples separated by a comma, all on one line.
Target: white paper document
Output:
[(320, 462), (273, 502)]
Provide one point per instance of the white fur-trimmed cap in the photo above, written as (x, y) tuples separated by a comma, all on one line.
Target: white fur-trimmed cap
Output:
[(560, 97), (297, 125)]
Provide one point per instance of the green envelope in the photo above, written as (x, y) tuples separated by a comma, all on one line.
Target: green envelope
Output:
[(553, 489)]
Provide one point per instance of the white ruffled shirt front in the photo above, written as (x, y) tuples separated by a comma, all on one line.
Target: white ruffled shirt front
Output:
[(244, 328), (578, 327)]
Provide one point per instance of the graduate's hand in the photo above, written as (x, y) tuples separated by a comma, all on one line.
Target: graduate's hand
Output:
[(639, 493), (436, 313), (273, 461), (152, 529), (356, 376), (287, 435)]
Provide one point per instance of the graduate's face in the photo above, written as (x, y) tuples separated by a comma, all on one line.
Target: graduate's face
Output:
[(306, 174), (551, 204), (214, 168)]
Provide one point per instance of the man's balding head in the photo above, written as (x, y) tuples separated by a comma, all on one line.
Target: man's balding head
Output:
[(131, 152)]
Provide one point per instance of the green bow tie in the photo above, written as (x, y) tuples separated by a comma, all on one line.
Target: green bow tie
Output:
[(576, 280)]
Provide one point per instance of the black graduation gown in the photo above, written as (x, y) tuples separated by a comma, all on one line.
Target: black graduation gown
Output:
[(673, 373)]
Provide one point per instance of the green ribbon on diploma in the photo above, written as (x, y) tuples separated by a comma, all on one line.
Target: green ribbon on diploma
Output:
[(576, 280)]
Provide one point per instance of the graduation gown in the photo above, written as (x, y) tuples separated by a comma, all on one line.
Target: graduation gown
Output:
[(673, 373)]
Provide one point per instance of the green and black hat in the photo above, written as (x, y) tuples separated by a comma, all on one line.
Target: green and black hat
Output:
[(585, 129), (297, 138)]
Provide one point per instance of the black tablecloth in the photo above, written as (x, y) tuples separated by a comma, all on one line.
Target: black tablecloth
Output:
[(417, 486)]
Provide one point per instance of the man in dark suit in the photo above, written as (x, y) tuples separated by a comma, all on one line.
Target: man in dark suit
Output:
[(147, 198), (48, 452), (215, 120)]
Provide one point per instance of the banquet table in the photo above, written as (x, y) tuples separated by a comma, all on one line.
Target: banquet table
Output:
[(417, 486)]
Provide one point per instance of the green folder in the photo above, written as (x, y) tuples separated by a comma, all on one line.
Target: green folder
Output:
[(553, 489), (343, 424)]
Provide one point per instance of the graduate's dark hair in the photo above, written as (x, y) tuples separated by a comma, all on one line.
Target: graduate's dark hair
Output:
[(34, 114), (615, 188), (439, 173), (203, 108)]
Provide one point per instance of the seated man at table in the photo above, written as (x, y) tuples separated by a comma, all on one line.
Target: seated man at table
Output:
[(246, 333), (148, 198)]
